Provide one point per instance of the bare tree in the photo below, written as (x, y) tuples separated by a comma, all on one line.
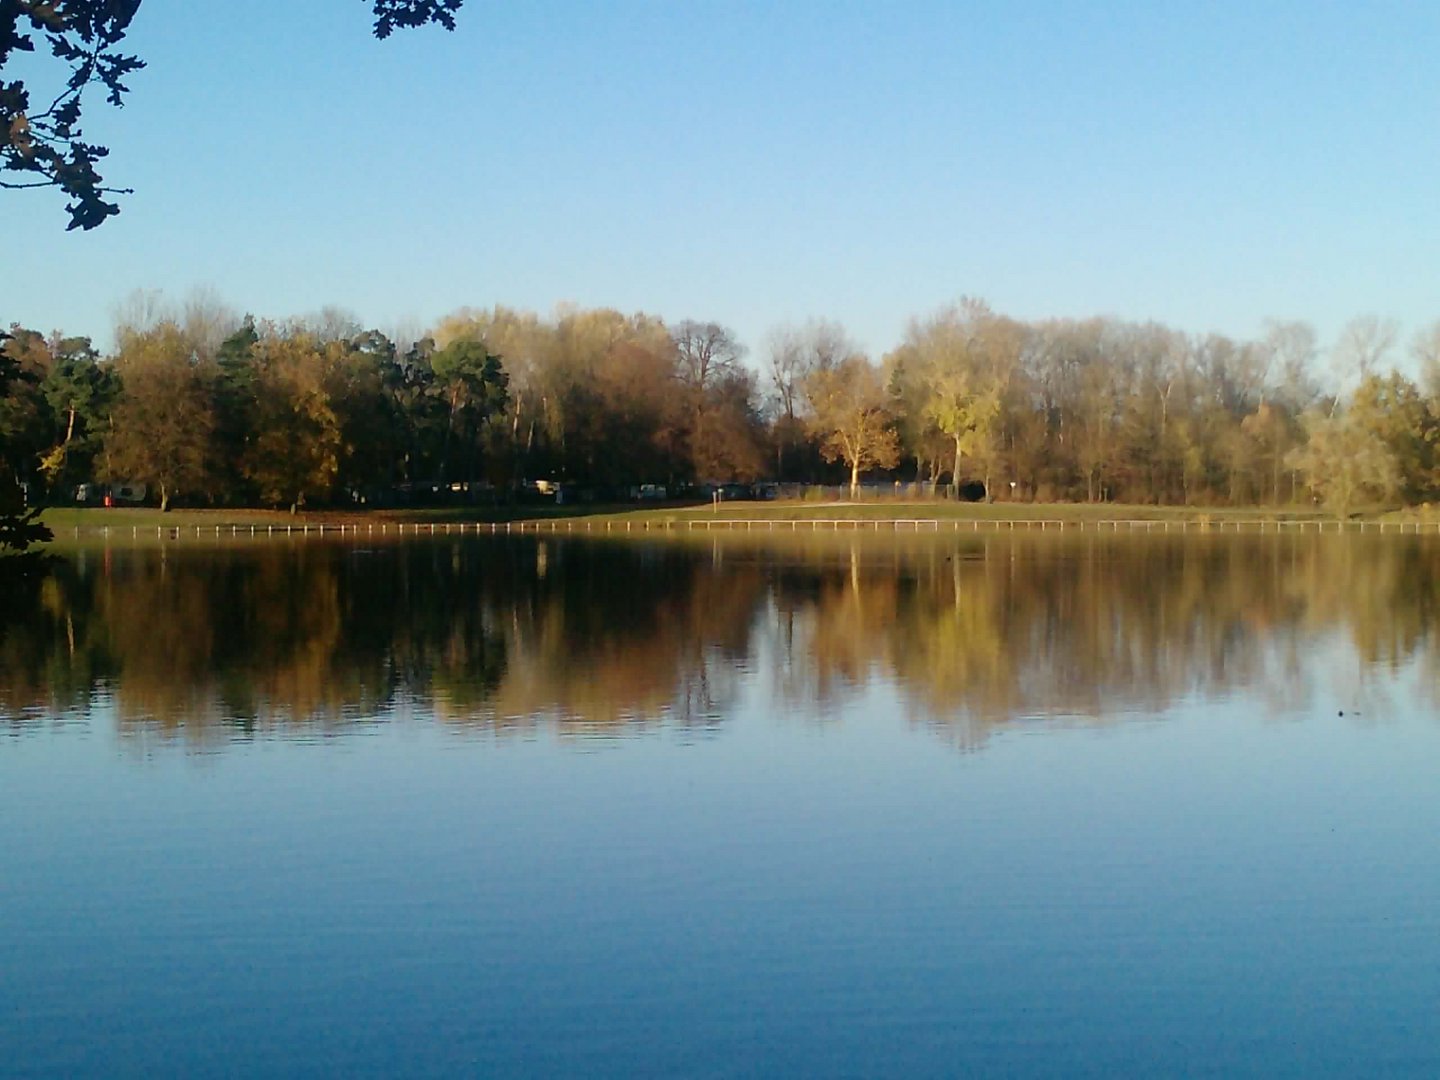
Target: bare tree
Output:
[(1426, 349), (334, 323), (793, 354), (138, 312), (706, 354), (207, 320), (404, 333), (787, 366), (1292, 368), (707, 362), (1363, 344)]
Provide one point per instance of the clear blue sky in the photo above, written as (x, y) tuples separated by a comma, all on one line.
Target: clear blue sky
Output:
[(1207, 166)]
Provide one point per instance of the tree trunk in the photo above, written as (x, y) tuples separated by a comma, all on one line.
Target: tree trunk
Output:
[(445, 444), (164, 499), (955, 473), (854, 479)]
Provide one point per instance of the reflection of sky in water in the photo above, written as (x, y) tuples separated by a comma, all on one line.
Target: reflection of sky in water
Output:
[(779, 867)]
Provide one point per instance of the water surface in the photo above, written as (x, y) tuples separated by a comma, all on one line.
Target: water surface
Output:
[(846, 805)]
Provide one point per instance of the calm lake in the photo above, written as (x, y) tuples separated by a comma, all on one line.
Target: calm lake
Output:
[(845, 805)]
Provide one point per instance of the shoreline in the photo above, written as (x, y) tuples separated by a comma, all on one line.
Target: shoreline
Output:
[(792, 514), (736, 519)]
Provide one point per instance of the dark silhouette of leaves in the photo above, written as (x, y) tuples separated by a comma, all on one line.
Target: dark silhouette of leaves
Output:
[(391, 15), (42, 145)]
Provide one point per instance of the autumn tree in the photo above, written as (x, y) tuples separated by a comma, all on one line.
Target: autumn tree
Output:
[(629, 422), (963, 369), (161, 424), (849, 415), (998, 347), (1392, 408), (1158, 397), (294, 454), (1344, 461), (719, 396), (727, 445), (920, 440), (614, 411), (1270, 433)]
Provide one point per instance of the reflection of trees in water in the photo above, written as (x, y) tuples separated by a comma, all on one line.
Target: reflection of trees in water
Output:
[(522, 634), (497, 635), (985, 632), (47, 663), (612, 635)]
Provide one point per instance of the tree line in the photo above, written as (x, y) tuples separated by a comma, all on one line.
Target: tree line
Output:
[(202, 405)]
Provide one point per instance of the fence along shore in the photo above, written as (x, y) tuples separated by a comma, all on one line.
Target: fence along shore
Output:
[(785, 525)]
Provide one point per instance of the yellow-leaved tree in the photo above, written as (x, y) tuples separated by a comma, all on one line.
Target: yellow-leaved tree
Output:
[(849, 414), (295, 453), (160, 427)]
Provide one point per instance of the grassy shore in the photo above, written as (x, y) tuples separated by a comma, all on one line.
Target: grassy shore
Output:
[(62, 518), (942, 510), (87, 519)]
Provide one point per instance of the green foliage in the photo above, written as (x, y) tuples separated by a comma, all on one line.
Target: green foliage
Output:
[(24, 423), (233, 396), (20, 529), (473, 386), (1346, 461), (1394, 410), (79, 391)]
